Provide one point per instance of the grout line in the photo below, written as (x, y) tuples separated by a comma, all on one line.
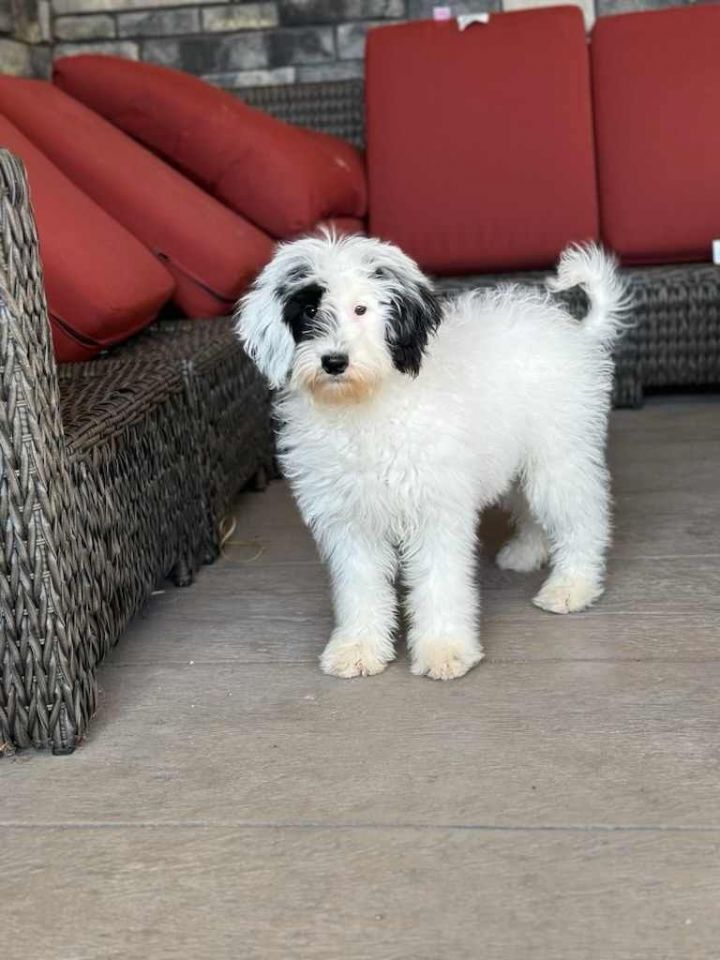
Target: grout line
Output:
[(532, 616), (504, 661), (350, 826), (229, 563)]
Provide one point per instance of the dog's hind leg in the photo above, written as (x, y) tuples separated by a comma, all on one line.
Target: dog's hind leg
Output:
[(572, 501), (574, 508), (528, 549)]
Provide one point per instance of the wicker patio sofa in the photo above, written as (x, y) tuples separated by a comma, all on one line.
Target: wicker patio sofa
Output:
[(676, 337), (113, 474)]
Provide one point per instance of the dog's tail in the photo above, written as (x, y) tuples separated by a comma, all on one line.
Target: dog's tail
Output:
[(590, 267)]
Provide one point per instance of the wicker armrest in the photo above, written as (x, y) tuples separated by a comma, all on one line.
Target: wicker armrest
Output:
[(46, 682)]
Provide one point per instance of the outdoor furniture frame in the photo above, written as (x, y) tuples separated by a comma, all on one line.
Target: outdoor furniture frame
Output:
[(114, 474)]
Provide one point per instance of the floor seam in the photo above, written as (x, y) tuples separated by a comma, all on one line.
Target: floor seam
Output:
[(350, 826), (486, 662)]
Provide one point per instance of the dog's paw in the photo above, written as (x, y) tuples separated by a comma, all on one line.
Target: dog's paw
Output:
[(445, 660), (522, 556), (353, 658), (567, 594)]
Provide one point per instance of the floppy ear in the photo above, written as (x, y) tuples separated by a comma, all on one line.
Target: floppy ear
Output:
[(259, 324), (414, 315)]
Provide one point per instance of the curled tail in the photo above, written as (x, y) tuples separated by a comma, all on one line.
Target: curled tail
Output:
[(589, 267)]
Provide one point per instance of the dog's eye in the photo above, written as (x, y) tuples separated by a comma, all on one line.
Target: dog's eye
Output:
[(309, 311), (360, 310)]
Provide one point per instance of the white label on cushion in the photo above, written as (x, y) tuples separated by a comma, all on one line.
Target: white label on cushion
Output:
[(467, 19), (716, 251)]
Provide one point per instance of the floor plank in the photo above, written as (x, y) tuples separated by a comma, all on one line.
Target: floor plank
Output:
[(647, 522), (280, 893), (683, 585), (536, 744), (531, 636)]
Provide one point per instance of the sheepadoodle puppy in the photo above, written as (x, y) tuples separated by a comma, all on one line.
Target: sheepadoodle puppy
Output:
[(401, 417)]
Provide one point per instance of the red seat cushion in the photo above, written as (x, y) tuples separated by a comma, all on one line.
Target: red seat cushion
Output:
[(281, 177), (480, 143), (102, 284), (212, 253), (656, 85)]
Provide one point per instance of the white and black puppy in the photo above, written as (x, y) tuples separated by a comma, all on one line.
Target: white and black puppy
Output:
[(402, 417)]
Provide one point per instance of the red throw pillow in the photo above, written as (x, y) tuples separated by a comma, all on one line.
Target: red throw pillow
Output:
[(480, 142), (656, 86), (281, 177), (212, 253), (102, 284)]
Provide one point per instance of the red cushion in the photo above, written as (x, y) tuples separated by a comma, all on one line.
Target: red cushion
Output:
[(656, 82), (212, 253), (480, 144), (102, 284), (281, 177)]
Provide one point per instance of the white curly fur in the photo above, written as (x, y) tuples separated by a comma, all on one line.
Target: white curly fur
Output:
[(390, 469)]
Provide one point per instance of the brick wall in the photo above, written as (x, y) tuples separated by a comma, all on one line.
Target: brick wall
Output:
[(233, 44)]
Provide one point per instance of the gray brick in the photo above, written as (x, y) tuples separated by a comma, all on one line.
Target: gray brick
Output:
[(91, 6), (587, 7), (252, 78), (338, 11), (207, 55), (351, 39), (45, 20), (118, 48), (301, 45), (159, 23), (340, 70), (92, 27), (26, 21), (239, 16), (41, 60), (423, 9), (5, 16), (629, 6), (164, 52), (15, 58)]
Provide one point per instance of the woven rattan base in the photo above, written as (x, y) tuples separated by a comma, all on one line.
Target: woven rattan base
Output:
[(230, 402)]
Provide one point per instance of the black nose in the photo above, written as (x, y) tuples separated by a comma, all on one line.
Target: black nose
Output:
[(334, 363)]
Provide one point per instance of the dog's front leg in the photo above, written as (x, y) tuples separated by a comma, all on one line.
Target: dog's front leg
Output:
[(443, 639), (362, 572)]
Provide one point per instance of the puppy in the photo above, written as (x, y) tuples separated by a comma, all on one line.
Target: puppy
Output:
[(401, 417)]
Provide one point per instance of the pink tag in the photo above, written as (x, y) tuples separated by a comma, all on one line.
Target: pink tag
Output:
[(442, 13)]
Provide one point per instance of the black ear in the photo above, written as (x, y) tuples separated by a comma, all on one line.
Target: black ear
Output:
[(415, 314)]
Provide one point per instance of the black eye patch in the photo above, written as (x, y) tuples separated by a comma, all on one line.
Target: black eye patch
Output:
[(299, 309)]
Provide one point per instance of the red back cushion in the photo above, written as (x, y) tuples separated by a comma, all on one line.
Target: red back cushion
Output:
[(281, 177), (211, 252), (480, 144), (102, 284), (656, 85)]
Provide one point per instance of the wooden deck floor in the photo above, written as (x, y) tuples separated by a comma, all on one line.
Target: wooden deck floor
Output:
[(561, 802)]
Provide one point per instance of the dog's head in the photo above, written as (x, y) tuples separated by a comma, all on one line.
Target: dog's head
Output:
[(335, 317)]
